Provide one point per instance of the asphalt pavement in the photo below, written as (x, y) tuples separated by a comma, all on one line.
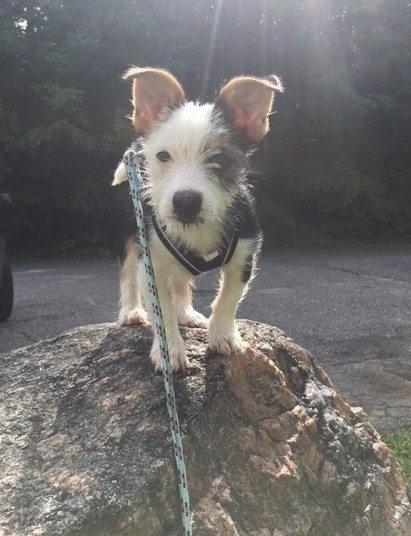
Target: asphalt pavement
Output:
[(351, 308)]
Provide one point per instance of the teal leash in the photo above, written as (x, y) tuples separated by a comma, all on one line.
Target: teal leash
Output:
[(136, 185)]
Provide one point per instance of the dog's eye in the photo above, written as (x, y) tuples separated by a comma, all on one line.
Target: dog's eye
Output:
[(219, 159), (164, 156)]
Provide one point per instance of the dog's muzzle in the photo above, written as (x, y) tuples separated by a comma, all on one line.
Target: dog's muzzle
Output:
[(187, 205)]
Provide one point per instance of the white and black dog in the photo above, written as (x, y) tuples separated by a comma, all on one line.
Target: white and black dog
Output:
[(198, 205)]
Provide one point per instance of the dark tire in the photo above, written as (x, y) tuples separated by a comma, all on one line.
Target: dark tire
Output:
[(6, 292)]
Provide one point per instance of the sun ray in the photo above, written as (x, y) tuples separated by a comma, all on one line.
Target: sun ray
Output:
[(211, 49)]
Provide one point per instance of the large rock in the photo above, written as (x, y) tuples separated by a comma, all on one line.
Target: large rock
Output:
[(271, 448)]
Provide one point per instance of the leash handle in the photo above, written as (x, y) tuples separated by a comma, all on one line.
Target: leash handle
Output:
[(136, 186)]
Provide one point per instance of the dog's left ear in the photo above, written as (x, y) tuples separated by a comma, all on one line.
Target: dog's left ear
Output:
[(250, 100)]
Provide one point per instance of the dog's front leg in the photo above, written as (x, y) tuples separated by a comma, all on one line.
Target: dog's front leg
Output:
[(131, 308), (223, 335), (180, 285), (177, 353)]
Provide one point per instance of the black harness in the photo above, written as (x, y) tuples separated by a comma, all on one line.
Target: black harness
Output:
[(194, 263)]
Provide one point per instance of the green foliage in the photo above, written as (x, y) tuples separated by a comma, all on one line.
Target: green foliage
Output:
[(278, 226), (336, 163), (400, 444), (341, 202)]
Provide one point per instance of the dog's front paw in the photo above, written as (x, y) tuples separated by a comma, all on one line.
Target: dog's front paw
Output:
[(135, 317), (177, 353), (192, 319), (224, 340)]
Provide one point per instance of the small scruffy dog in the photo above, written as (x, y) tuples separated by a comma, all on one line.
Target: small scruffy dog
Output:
[(198, 206)]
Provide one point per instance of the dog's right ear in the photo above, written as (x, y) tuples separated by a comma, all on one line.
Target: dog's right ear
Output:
[(152, 91)]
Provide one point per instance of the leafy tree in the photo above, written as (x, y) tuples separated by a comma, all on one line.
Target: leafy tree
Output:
[(337, 159)]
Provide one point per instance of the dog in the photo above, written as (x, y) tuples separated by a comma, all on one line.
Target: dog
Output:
[(198, 205)]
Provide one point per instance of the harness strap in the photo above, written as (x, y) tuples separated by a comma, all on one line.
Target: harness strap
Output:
[(194, 263)]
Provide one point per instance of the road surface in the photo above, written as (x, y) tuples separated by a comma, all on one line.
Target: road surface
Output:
[(351, 308)]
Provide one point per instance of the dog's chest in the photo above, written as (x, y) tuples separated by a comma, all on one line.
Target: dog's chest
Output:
[(192, 258)]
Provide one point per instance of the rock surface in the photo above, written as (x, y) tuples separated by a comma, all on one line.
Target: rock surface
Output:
[(271, 449)]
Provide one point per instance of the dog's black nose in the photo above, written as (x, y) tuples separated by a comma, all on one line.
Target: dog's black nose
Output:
[(187, 205)]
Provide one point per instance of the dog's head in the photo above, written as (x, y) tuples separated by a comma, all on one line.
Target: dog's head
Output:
[(195, 153)]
